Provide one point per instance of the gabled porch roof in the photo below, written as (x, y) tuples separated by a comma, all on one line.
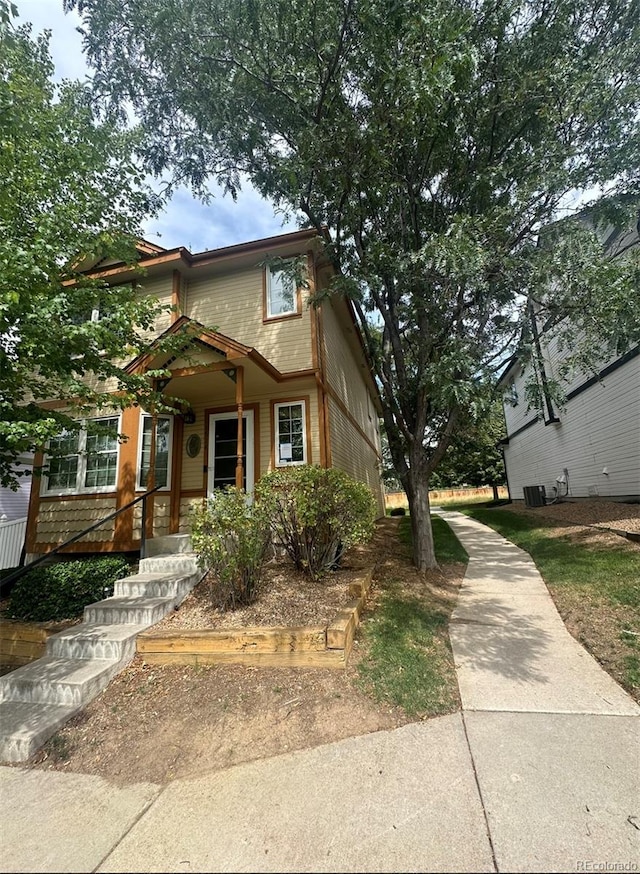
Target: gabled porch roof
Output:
[(230, 352)]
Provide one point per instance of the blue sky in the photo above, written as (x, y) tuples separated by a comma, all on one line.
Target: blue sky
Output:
[(186, 221)]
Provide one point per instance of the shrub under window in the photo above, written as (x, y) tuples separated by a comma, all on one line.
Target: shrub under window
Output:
[(63, 590), (316, 514)]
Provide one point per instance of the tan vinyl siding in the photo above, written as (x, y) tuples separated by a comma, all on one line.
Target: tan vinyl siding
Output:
[(59, 520), (231, 303), (185, 509), (161, 517), (353, 454), (345, 373)]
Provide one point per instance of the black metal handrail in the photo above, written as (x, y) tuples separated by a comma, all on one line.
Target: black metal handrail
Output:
[(143, 538)]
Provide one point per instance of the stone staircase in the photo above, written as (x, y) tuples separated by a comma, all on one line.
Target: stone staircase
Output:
[(37, 699)]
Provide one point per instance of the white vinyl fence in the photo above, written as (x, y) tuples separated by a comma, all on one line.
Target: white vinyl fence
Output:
[(11, 542)]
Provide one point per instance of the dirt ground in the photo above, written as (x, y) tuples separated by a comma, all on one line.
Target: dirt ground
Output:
[(599, 513), (161, 723)]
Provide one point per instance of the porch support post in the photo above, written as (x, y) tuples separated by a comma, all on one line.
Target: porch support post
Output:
[(240, 405)]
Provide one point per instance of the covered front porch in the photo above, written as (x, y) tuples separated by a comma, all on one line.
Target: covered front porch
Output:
[(227, 417)]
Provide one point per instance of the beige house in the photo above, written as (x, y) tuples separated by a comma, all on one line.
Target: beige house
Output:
[(266, 381)]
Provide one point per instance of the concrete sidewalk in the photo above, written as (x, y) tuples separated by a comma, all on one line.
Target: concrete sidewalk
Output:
[(540, 772)]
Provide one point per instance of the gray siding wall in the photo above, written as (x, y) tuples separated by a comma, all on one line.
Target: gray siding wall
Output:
[(15, 505), (599, 428)]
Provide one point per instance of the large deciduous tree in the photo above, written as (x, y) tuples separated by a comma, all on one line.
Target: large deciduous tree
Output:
[(433, 140), (70, 194)]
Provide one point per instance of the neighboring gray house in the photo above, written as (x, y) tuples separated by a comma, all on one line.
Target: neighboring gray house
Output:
[(14, 507), (589, 447)]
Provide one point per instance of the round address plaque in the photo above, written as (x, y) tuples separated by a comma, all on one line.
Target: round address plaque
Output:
[(193, 445)]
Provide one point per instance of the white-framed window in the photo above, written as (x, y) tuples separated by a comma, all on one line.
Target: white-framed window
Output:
[(164, 438), (84, 461), (291, 433), (511, 393), (281, 292)]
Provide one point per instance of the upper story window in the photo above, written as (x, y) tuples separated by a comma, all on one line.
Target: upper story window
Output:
[(84, 461), (281, 292), (291, 433), (511, 393), (164, 432)]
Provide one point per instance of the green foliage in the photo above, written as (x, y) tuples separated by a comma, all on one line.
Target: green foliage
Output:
[(474, 456), (316, 514), (433, 157), (72, 193), (231, 538), (406, 645), (62, 590), (613, 573), (447, 546), (408, 661)]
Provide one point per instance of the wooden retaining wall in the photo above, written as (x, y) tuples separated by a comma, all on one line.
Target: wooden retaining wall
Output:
[(24, 642), (320, 646)]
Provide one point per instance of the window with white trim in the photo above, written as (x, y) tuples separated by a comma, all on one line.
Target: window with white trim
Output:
[(291, 433), (164, 433), (281, 292), (84, 461)]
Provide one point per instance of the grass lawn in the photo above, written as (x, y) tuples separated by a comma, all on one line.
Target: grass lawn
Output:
[(594, 580), (407, 657)]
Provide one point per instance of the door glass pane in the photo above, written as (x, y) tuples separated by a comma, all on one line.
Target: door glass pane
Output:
[(225, 443)]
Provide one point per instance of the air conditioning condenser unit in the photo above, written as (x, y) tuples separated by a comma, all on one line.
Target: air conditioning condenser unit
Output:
[(534, 496)]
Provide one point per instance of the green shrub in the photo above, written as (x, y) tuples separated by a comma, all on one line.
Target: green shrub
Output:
[(398, 511), (316, 514), (231, 538), (62, 590)]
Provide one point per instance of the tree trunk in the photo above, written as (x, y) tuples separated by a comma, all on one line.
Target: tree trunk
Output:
[(496, 496), (424, 556)]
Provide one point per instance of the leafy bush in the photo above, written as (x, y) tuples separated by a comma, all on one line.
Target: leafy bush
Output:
[(62, 590), (398, 511), (231, 538), (316, 514)]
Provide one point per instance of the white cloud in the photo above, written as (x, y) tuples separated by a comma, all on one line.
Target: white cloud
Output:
[(185, 221)]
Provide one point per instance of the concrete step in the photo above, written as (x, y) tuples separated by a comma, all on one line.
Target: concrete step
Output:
[(186, 563), (66, 682), (79, 663), (93, 641), (156, 585), (169, 544), (26, 726), (128, 611)]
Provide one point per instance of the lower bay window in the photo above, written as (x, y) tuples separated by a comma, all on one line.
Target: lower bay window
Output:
[(85, 460)]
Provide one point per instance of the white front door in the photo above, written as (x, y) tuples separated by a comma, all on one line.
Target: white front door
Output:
[(223, 448)]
